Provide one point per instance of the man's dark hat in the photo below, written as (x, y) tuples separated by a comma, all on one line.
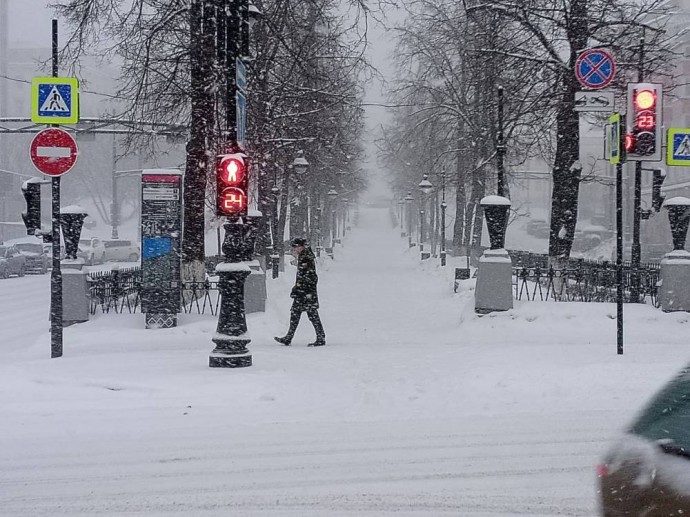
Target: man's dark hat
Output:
[(298, 242)]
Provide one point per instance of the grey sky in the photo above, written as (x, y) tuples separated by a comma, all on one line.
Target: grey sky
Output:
[(29, 22)]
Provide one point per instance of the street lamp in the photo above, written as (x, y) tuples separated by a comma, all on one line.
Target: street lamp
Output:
[(444, 205), (300, 163), (408, 200), (426, 187), (332, 195), (299, 209), (401, 202), (275, 258)]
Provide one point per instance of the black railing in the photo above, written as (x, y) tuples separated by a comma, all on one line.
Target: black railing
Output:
[(583, 281), (115, 290), (118, 291)]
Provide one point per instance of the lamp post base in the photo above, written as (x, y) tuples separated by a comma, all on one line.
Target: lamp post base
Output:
[(224, 360)]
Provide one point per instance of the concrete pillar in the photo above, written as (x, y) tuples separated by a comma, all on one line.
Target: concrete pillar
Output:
[(674, 289), (493, 291)]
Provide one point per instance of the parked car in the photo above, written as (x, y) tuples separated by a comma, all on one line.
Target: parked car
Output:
[(647, 472), (11, 262), (91, 250), (122, 250), (33, 248)]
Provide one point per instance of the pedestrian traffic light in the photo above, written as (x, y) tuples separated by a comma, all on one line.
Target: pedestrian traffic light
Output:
[(232, 182), (644, 121), (32, 216), (659, 175)]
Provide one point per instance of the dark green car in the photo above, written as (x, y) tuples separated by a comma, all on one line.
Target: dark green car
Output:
[(647, 472)]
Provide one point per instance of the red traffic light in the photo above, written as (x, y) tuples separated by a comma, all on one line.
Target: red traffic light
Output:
[(231, 171), (629, 142), (645, 99), (232, 182)]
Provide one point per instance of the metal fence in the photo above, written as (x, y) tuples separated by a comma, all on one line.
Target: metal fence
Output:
[(119, 290), (581, 280)]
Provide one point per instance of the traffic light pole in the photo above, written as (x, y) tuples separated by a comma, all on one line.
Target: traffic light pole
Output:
[(636, 249), (619, 258), (56, 273), (231, 338)]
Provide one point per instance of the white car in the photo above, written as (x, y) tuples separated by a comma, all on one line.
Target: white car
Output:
[(91, 250), (123, 250)]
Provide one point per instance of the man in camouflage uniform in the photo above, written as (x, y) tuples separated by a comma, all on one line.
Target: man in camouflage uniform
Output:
[(304, 295)]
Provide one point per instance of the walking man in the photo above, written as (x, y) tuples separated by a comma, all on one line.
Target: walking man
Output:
[(304, 296)]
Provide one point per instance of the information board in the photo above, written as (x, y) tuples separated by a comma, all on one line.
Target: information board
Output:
[(161, 232)]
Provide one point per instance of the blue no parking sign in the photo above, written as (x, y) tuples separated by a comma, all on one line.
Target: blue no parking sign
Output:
[(595, 68)]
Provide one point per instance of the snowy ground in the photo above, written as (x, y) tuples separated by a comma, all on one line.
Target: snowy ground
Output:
[(415, 407)]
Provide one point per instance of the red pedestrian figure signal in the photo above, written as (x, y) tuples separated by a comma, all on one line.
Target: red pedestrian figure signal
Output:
[(232, 183), (643, 135)]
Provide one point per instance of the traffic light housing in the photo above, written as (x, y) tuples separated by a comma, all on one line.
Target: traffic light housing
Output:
[(232, 185), (644, 122), (32, 215), (659, 175)]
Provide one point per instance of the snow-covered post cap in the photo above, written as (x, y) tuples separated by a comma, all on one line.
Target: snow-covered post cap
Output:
[(494, 200), (73, 209), (679, 218), (676, 201)]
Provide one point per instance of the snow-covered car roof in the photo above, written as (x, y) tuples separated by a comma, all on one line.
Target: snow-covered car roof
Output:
[(23, 240)]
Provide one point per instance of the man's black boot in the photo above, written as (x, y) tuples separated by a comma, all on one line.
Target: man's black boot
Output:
[(318, 342), (284, 340)]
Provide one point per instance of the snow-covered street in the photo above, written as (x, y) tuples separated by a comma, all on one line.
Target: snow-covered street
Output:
[(415, 407)]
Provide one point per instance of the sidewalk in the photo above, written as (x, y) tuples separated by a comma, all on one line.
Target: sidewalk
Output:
[(375, 293)]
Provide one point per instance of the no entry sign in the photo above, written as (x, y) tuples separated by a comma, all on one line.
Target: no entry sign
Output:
[(54, 151), (595, 68)]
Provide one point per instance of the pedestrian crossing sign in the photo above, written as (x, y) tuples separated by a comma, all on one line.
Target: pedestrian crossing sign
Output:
[(678, 146), (55, 100)]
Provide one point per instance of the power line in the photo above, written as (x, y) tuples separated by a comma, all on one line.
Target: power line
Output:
[(24, 81)]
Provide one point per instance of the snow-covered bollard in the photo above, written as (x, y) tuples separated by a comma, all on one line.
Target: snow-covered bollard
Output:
[(493, 291), (674, 286)]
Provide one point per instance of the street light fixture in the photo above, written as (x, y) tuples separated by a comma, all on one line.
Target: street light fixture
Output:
[(300, 163), (254, 15)]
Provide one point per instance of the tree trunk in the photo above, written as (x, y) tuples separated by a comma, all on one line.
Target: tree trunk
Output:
[(567, 171), (202, 61)]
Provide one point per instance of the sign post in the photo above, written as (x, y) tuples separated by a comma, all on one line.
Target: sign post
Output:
[(617, 158)]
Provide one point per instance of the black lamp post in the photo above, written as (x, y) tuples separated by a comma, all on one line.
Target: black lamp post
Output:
[(275, 258), (401, 203), (444, 205), (408, 200), (332, 196), (300, 166), (426, 187)]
